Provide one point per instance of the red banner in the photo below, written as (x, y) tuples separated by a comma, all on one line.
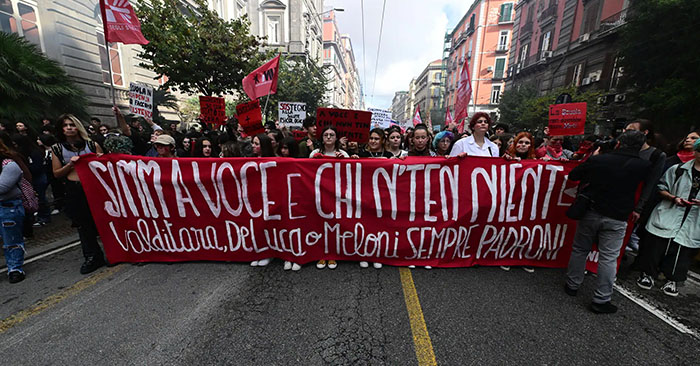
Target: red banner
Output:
[(263, 80), (425, 211), (464, 94), (120, 22), (567, 119), (250, 117), (416, 118), (354, 125), (212, 110)]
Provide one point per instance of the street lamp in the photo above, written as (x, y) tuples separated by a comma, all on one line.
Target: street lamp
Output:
[(339, 10)]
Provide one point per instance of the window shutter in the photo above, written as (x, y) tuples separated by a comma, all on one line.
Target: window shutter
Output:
[(606, 73), (503, 13), (569, 76), (500, 66)]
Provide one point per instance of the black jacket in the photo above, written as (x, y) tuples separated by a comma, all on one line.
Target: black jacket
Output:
[(613, 179)]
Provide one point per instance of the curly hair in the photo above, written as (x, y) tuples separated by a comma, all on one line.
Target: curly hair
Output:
[(530, 152)]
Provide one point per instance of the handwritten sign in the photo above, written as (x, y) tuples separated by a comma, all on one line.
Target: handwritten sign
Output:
[(291, 114), (250, 117), (567, 119), (141, 100), (212, 110), (354, 125), (380, 118)]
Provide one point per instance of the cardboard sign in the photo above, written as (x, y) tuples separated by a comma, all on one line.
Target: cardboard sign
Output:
[(380, 118), (291, 114), (354, 125), (567, 119), (212, 110), (141, 100), (250, 117)]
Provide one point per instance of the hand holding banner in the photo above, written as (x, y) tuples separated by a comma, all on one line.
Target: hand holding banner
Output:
[(354, 125), (212, 110), (567, 119)]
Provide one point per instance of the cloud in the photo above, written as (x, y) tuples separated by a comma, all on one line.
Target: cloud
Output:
[(413, 36)]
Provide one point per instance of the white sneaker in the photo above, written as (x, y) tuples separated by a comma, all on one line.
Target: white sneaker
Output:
[(55, 212), (254, 263), (287, 265), (264, 262), (321, 264), (295, 267), (529, 269), (411, 266), (377, 265), (364, 264), (428, 267), (332, 264), (505, 268)]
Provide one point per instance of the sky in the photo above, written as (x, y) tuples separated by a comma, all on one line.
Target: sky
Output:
[(412, 37)]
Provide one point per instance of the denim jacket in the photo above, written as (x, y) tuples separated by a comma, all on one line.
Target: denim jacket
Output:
[(665, 220)]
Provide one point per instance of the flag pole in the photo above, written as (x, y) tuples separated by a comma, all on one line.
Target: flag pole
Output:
[(109, 64), (265, 109)]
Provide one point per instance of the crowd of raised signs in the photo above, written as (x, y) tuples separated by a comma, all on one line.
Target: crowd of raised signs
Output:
[(667, 232)]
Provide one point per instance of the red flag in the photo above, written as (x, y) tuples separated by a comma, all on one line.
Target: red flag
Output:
[(460, 126), (464, 93), (416, 118), (120, 22), (263, 80), (448, 117)]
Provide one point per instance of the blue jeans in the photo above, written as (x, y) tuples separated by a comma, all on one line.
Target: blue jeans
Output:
[(11, 221)]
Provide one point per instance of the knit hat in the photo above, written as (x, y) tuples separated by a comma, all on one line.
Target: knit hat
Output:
[(441, 135)]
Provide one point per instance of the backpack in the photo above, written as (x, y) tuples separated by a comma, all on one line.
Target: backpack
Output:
[(30, 200)]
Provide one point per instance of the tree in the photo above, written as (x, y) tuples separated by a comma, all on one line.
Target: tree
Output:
[(163, 98), (523, 109), (197, 50), (33, 86), (661, 61), (299, 81)]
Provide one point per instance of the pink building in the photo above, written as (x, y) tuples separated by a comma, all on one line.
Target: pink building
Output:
[(482, 39)]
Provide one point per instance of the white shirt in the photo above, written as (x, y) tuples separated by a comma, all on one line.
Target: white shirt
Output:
[(469, 146)]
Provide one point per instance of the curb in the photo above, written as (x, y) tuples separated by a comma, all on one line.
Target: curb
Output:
[(31, 251)]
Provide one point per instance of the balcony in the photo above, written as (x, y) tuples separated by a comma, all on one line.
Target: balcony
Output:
[(525, 30), (547, 16), (613, 22), (501, 49)]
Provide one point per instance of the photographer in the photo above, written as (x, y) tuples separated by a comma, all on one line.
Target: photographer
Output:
[(610, 180)]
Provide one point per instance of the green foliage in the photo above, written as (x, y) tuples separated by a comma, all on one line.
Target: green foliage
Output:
[(523, 109), (162, 98), (197, 50), (189, 110), (33, 86), (299, 81), (661, 61)]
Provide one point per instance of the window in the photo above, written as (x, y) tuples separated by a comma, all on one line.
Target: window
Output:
[(499, 68), (114, 58), (471, 21), (273, 26), (470, 47), (503, 41), (495, 94), (506, 13), (590, 16), (437, 76), (25, 14), (578, 72), (546, 38), (523, 52)]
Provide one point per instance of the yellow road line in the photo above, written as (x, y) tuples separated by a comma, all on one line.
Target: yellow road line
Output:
[(421, 339), (15, 319)]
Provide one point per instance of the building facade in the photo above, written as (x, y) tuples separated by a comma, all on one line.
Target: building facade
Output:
[(344, 87), (398, 106), (482, 40), (570, 42), (410, 110), (429, 91)]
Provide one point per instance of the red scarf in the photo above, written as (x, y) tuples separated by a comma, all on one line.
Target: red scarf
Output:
[(555, 152), (686, 155)]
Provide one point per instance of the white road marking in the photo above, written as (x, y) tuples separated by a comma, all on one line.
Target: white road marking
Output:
[(661, 314), (47, 254)]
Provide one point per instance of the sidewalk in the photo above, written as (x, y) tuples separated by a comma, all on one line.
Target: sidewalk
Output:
[(46, 238)]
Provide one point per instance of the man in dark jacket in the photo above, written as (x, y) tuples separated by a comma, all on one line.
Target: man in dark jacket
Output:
[(611, 180)]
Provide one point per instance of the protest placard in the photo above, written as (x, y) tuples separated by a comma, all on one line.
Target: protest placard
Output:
[(567, 119), (381, 118), (354, 125), (212, 110), (292, 114), (141, 100), (250, 117)]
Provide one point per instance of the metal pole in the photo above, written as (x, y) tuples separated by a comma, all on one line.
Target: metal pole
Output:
[(109, 63), (265, 109)]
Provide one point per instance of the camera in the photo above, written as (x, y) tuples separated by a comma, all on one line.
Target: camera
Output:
[(605, 145)]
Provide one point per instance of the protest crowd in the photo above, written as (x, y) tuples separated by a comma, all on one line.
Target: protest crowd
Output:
[(666, 234)]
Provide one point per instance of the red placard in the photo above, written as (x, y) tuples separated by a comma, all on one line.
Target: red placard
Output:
[(567, 119), (212, 110), (250, 117), (354, 125), (298, 135)]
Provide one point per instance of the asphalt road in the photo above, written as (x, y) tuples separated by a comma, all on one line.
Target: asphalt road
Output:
[(227, 313)]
